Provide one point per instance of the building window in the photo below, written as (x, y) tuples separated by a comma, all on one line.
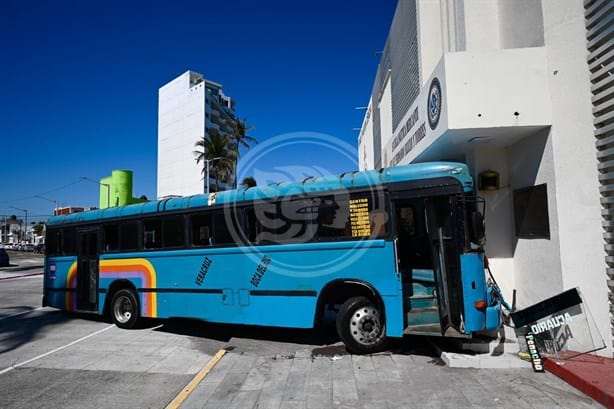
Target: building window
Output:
[(531, 212)]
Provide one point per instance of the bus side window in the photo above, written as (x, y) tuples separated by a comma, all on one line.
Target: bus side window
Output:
[(333, 218), (111, 238), (221, 234), (174, 231), (152, 234), (69, 245), (201, 230), (52, 242), (378, 222), (128, 236), (250, 226)]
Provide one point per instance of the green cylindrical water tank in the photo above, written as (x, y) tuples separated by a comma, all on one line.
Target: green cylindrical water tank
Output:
[(122, 187)]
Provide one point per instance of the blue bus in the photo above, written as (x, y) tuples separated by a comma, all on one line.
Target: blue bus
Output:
[(392, 251)]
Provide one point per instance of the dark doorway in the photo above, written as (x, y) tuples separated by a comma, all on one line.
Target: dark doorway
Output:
[(87, 271)]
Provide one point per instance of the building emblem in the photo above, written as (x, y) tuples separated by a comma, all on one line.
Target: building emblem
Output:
[(434, 103)]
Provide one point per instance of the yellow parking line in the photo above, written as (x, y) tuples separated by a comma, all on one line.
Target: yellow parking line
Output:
[(183, 395)]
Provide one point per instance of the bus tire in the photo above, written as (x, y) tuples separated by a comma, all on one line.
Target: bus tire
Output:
[(361, 326), (125, 309)]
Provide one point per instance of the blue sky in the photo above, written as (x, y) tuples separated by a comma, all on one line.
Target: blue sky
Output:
[(78, 95)]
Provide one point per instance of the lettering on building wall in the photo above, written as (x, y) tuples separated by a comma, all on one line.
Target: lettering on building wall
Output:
[(411, 121), (410, 144)]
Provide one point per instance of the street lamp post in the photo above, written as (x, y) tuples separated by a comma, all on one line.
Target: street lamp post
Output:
[(25, 233), (108, 186), (55, 202), (207, 161)]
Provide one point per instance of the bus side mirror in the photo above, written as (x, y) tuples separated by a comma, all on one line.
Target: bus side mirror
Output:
[(476, 227)]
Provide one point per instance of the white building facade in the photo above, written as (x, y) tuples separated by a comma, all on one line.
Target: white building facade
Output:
[(521, 89), (189, 107)]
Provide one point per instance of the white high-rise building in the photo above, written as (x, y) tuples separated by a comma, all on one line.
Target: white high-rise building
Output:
[(189, 108), (523, 92)]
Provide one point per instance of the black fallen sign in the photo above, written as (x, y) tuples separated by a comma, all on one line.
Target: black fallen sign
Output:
[(560, 327), (546, 308)]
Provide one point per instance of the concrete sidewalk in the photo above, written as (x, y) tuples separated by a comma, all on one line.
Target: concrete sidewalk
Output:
[(590, 374), (329, 377)]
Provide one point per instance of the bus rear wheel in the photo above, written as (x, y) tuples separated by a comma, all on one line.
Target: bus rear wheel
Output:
[(361, 327), (125, 309)]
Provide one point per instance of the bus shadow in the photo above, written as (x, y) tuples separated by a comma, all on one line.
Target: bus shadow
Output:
[(21, 327), (322, 340), (321, 335)]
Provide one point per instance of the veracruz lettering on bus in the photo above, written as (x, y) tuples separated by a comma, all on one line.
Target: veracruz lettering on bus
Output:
[(204, 269), (551, 323)]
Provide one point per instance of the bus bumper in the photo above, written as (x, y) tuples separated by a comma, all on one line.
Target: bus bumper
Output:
[(493, 317)]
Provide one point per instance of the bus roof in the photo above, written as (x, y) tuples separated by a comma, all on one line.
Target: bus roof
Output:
[(347, 180)]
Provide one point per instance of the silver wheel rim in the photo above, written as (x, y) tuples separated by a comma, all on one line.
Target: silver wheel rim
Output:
[(365, 325), (123, 309)]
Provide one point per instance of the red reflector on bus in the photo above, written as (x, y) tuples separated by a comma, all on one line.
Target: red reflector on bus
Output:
[(480, 305)]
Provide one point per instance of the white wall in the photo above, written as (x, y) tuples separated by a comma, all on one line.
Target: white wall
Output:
[(575, 165), (181, 122), (385, 106), (481, 25), (498, 216), (365, 146), (486, 89), (430, 38), (521, 23), (537, 262)]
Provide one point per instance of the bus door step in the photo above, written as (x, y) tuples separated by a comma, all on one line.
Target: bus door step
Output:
[(423, 316), (424, 329)]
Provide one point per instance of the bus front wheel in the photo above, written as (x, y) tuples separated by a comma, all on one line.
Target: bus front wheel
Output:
[(125, 309), (361, 327)]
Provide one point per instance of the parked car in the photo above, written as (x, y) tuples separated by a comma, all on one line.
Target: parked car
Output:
[(4, 258), (27, 247)]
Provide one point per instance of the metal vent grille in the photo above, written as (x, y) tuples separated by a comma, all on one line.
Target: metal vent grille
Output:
[(599, 15), (404, 60), (377, 139)]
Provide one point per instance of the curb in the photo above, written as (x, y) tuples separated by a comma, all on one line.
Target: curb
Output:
[(21, 276), (18, 267), (590, 374)]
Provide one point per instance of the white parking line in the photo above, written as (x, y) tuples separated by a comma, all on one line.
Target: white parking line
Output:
[(21, 313), (55, 350)]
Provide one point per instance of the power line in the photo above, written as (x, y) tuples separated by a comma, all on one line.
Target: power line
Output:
[(43, 193)]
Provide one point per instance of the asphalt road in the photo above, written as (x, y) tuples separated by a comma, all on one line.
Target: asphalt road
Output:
[(51, 359)]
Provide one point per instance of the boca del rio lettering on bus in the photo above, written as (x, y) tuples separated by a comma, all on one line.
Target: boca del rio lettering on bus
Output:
[(551, 323), (260, 270)]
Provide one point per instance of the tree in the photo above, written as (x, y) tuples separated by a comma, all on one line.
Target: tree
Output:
[(39, 228), (239, 132), (221, 154), (248, 182)]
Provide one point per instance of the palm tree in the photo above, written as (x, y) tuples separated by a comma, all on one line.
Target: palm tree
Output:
[(212, 146), (248, 182), (239, 132)]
